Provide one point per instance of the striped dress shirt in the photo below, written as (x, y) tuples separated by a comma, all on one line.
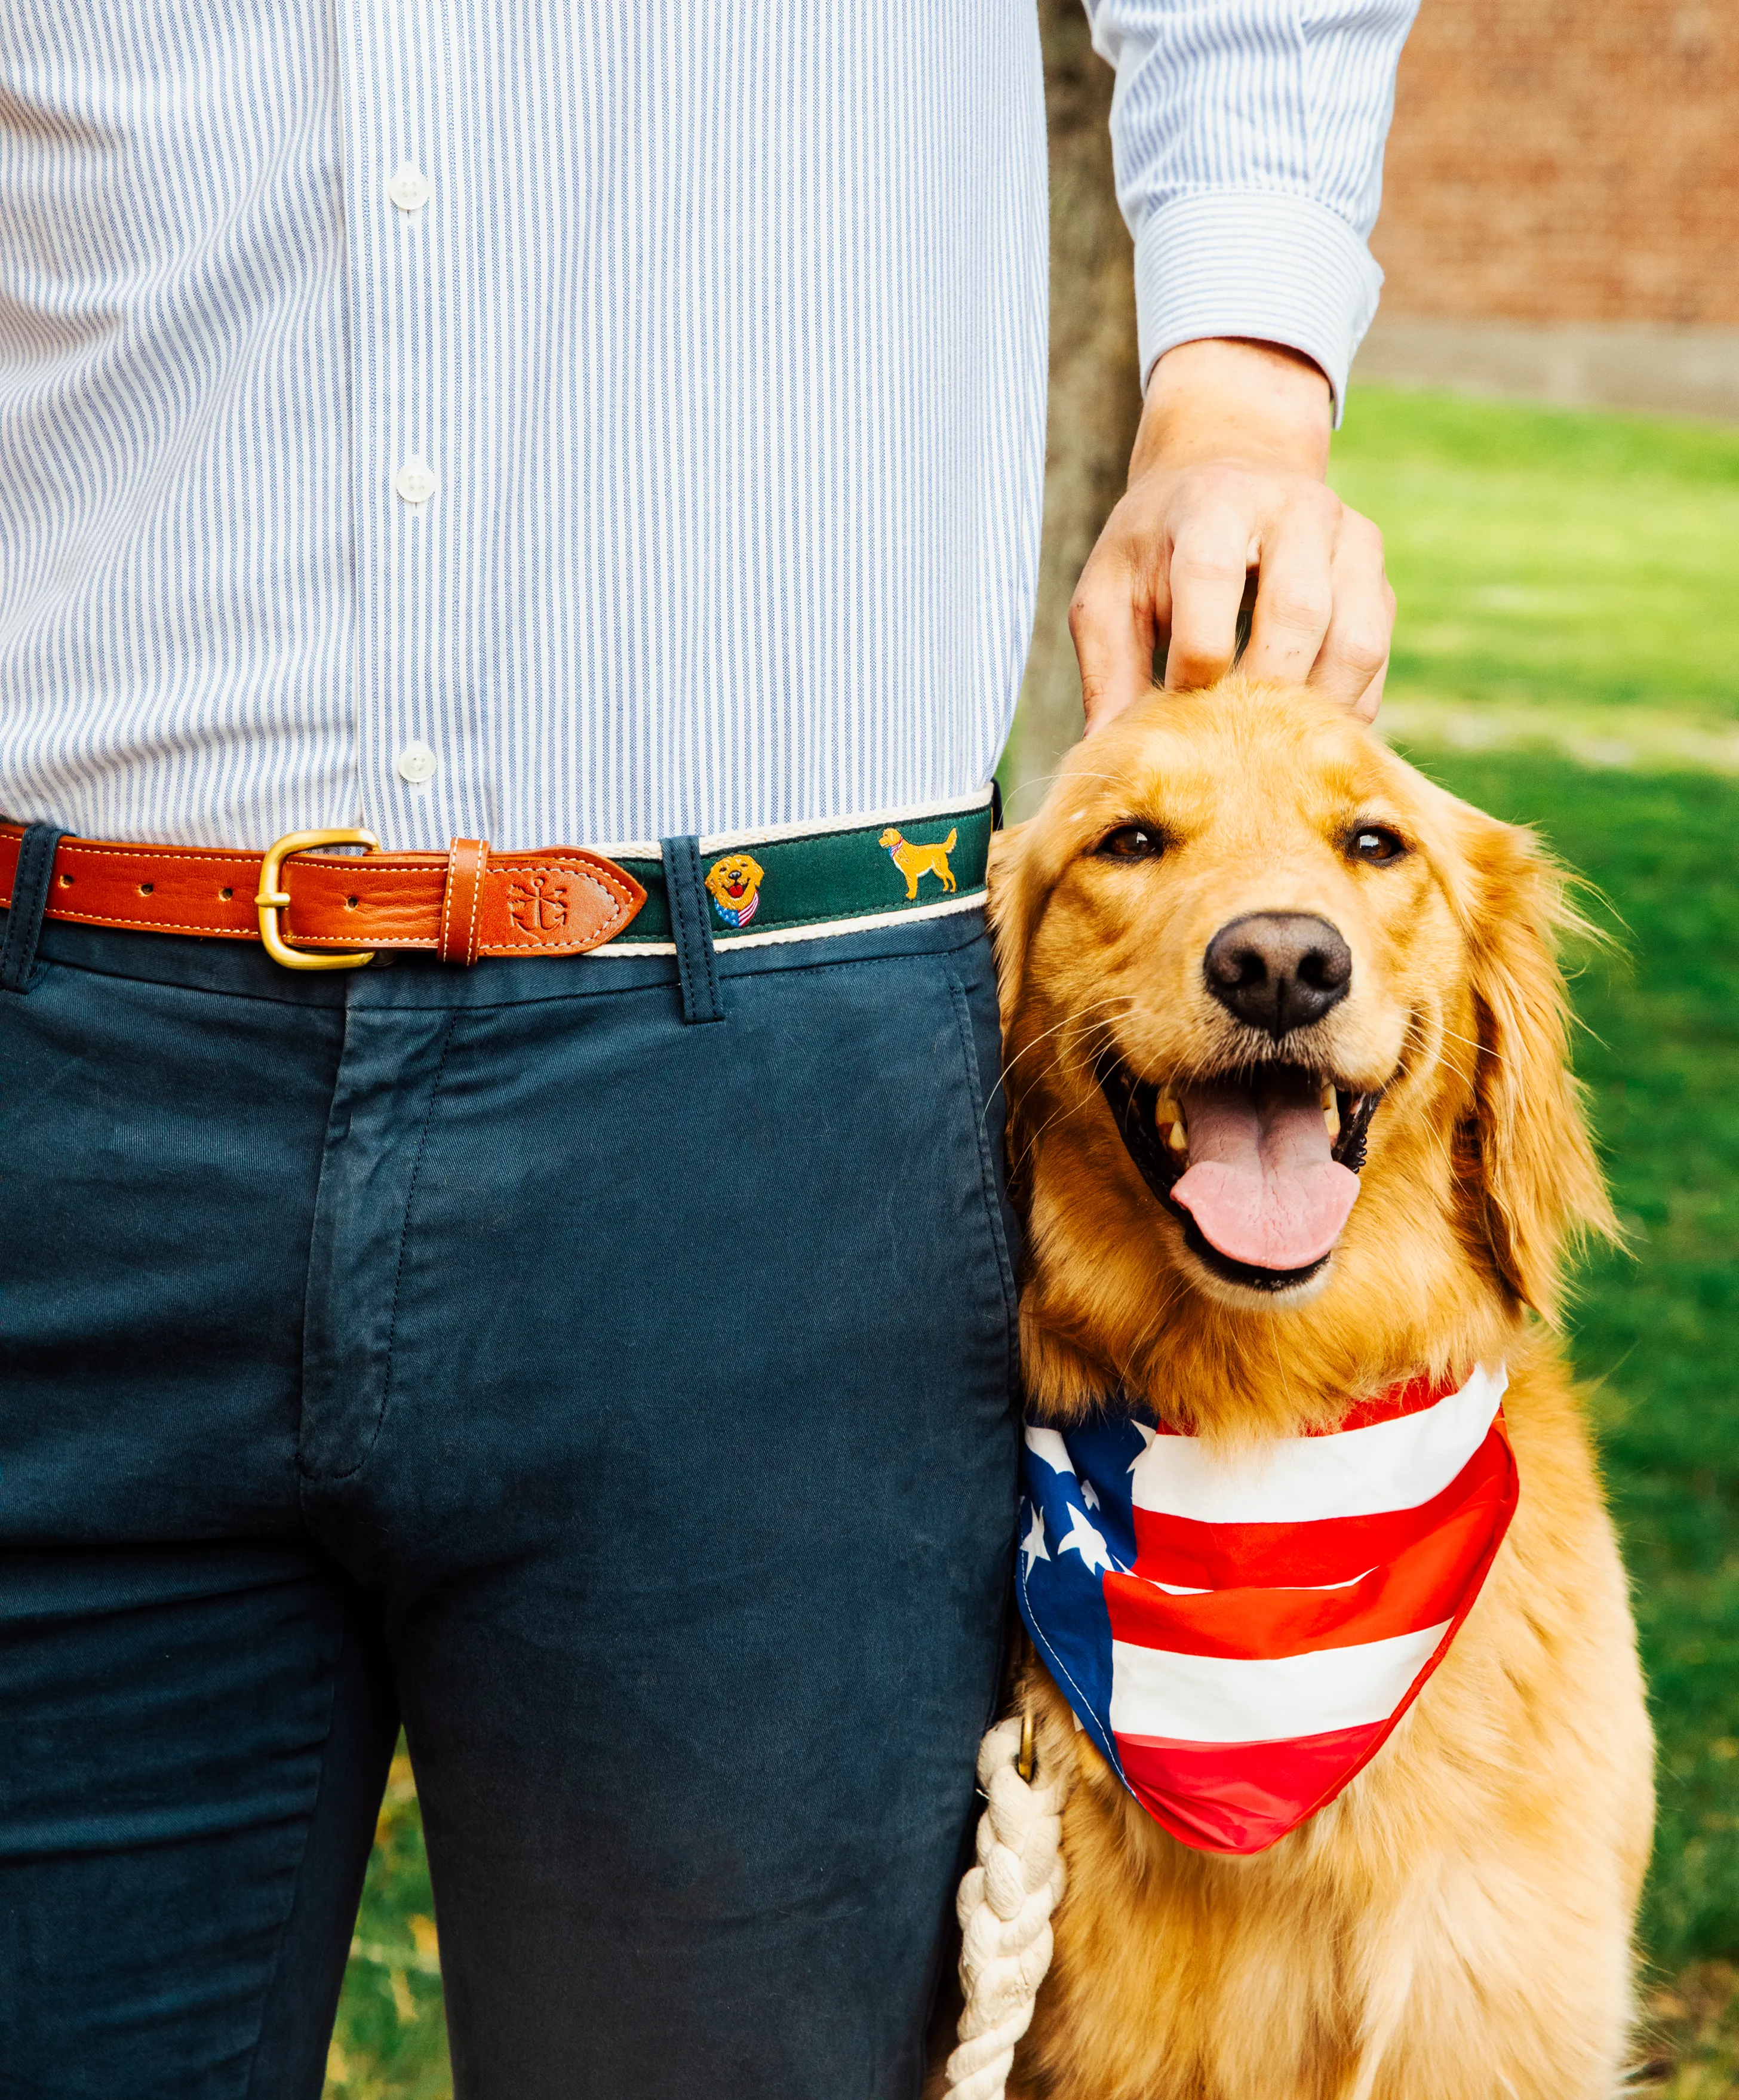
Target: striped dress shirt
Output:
[(585, 421)]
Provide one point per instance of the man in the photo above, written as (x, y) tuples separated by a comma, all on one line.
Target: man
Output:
[(584, 1331)]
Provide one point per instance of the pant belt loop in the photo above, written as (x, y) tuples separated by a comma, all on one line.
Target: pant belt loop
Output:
[(30, 885), (697, 964)]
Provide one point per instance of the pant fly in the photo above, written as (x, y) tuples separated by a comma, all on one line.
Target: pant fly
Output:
[(388, 1081)]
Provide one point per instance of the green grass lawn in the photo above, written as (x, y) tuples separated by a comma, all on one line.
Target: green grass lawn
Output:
[(1577, 574), (1653, 1329), (390, 2042), (1545, 561)]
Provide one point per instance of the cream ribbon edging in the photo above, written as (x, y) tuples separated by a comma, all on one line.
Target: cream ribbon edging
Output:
[(1004, 1908)]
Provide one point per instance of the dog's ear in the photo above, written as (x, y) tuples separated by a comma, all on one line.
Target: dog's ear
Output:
[(1540, 1182)]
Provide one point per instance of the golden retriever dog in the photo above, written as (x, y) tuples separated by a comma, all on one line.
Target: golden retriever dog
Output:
[(1244, 943)]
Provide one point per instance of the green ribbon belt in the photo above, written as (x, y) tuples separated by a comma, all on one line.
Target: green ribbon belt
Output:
[(819, 878)]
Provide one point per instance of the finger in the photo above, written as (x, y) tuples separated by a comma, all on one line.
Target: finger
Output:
[(1211, 552), (1365, 706), (1295, 588), (1355, 649), (1111, 622)]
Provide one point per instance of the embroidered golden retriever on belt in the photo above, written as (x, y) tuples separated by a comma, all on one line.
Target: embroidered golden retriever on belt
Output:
[(913, 861)]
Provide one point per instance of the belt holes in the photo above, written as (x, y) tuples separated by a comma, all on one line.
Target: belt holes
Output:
[(66, 882), (226, 893), (349, 904), (145, 889)]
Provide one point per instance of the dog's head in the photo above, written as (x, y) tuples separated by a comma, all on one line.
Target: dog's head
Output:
[(1286, 1035)]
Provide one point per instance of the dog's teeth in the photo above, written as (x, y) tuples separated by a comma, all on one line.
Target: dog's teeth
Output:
[(1168, 1120), (1327, 1098), (1331, 1117)]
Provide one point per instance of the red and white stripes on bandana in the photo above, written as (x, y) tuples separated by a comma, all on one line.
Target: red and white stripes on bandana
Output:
[(1239, 1636)]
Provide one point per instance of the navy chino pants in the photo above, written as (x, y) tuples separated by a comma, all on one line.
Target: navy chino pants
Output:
[(626, 1404)]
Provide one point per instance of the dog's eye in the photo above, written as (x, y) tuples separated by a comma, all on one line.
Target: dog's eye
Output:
[(1132, 842), (1375, 845)]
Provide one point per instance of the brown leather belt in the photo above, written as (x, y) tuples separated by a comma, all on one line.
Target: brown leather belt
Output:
[(305, 904)]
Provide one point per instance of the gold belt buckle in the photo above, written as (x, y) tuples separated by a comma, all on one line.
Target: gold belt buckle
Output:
[(272, 900)]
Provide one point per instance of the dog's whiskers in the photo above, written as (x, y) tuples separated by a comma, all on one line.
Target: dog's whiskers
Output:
[(1055, 1116), (1067, 1108), (1414, 1036), (1068, 1020), (1080, 1013), (1485, 1049)]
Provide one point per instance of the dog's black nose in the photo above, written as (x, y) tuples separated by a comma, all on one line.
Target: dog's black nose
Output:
[(1278, 970)]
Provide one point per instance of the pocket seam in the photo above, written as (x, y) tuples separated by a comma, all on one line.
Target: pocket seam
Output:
[(990, 1191)]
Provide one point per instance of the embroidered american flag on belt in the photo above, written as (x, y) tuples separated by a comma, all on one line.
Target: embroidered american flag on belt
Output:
[(1239, 1636)]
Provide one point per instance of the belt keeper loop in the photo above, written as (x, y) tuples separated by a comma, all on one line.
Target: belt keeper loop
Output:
[(461, 904), (697, 963), (31, 882)]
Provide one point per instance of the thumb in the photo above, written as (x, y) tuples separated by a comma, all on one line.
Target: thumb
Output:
[(1115, 636)]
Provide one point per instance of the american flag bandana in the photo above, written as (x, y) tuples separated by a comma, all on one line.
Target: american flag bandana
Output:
[(1239, 1637)]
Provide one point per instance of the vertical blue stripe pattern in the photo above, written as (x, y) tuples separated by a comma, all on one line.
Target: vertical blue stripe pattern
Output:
[(1249, 136), (721, 334)]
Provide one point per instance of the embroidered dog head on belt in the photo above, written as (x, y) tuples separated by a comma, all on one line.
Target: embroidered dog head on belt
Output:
[(735, 883)]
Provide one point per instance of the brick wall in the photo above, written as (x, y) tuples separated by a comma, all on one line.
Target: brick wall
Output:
[(1566, 160)]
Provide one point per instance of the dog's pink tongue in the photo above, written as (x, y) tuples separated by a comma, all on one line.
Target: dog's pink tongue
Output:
[(1260, 1183)]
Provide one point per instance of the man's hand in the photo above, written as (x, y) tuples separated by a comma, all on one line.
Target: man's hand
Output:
[(1227, 478)]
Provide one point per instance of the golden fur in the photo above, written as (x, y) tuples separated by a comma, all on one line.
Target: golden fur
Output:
[(1456, 1925)]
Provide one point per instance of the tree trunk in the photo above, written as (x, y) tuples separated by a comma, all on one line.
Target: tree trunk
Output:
[(1095, 388)]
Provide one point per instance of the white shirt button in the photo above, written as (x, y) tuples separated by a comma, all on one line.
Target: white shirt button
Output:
[(415, 480), (417, 763), (408, 188)]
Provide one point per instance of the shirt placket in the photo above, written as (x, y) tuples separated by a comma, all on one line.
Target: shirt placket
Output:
[(401, 177)]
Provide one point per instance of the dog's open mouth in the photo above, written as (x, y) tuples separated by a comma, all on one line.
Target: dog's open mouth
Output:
[(1262, 1165)]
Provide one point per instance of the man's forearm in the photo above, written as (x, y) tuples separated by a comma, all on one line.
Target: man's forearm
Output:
[(1255, 400), (1249, 147)]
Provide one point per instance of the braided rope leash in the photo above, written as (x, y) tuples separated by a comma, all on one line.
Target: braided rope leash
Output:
[(1004, 1908)]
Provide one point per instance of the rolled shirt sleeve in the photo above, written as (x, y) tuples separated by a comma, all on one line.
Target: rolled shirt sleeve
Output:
[(1248, 137)]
